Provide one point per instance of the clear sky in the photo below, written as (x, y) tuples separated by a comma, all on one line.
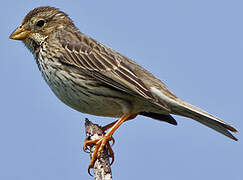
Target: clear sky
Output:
[(195, 47)]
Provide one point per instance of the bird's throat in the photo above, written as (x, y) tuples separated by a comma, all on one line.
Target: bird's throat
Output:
[(32, 45)]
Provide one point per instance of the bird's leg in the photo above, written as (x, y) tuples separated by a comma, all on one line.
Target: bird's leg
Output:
[(108, 126), (104, 141)]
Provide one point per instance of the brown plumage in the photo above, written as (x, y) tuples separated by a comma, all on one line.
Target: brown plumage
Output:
[(92, 78)]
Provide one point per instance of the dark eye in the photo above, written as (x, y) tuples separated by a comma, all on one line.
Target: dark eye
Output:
[(40, 23)]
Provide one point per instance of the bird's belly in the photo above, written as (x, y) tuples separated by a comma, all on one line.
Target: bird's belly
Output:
[(88, 104), (73, 92)]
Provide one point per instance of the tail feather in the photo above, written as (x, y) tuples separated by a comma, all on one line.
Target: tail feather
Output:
[(161, 117), (185, 109), (217, 127)]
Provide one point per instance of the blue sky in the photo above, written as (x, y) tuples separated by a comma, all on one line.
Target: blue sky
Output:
[(195, 47)]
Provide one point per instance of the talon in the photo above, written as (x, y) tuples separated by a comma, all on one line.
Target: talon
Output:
[(85, 146), (89, 171), (89, 143), (112, 141), (111, 153), (87, 150)]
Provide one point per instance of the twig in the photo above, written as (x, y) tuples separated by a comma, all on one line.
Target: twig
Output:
[(102, 170)]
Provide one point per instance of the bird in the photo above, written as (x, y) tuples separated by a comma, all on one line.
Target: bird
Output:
[(95, 79)]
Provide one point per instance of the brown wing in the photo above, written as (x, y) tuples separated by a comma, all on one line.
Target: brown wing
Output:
[(105, 65), (112, 68)]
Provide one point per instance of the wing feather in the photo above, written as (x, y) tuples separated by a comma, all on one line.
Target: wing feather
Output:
[(105, 65)]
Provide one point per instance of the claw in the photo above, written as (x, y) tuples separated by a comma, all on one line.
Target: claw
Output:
[(89, 171), (111, 153), (89, 143), (112, 141), (87, 150), (85, 146)]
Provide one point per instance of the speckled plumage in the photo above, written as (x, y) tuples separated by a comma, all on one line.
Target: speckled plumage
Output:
[(92, 78)]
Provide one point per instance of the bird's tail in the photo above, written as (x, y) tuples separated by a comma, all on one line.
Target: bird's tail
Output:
[(185, 109)]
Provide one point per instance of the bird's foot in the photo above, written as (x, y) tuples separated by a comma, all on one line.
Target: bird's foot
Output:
[(100, 144), (103, 142)]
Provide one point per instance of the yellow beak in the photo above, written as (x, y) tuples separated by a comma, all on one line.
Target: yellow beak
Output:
[(20, 34)]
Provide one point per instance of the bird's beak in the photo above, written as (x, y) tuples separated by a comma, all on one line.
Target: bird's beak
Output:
[(20, 34)]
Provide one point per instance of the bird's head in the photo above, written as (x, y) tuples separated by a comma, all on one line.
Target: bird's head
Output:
[(39, 23)]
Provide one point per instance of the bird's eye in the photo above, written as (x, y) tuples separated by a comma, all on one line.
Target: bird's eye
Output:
[(40, 23)]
